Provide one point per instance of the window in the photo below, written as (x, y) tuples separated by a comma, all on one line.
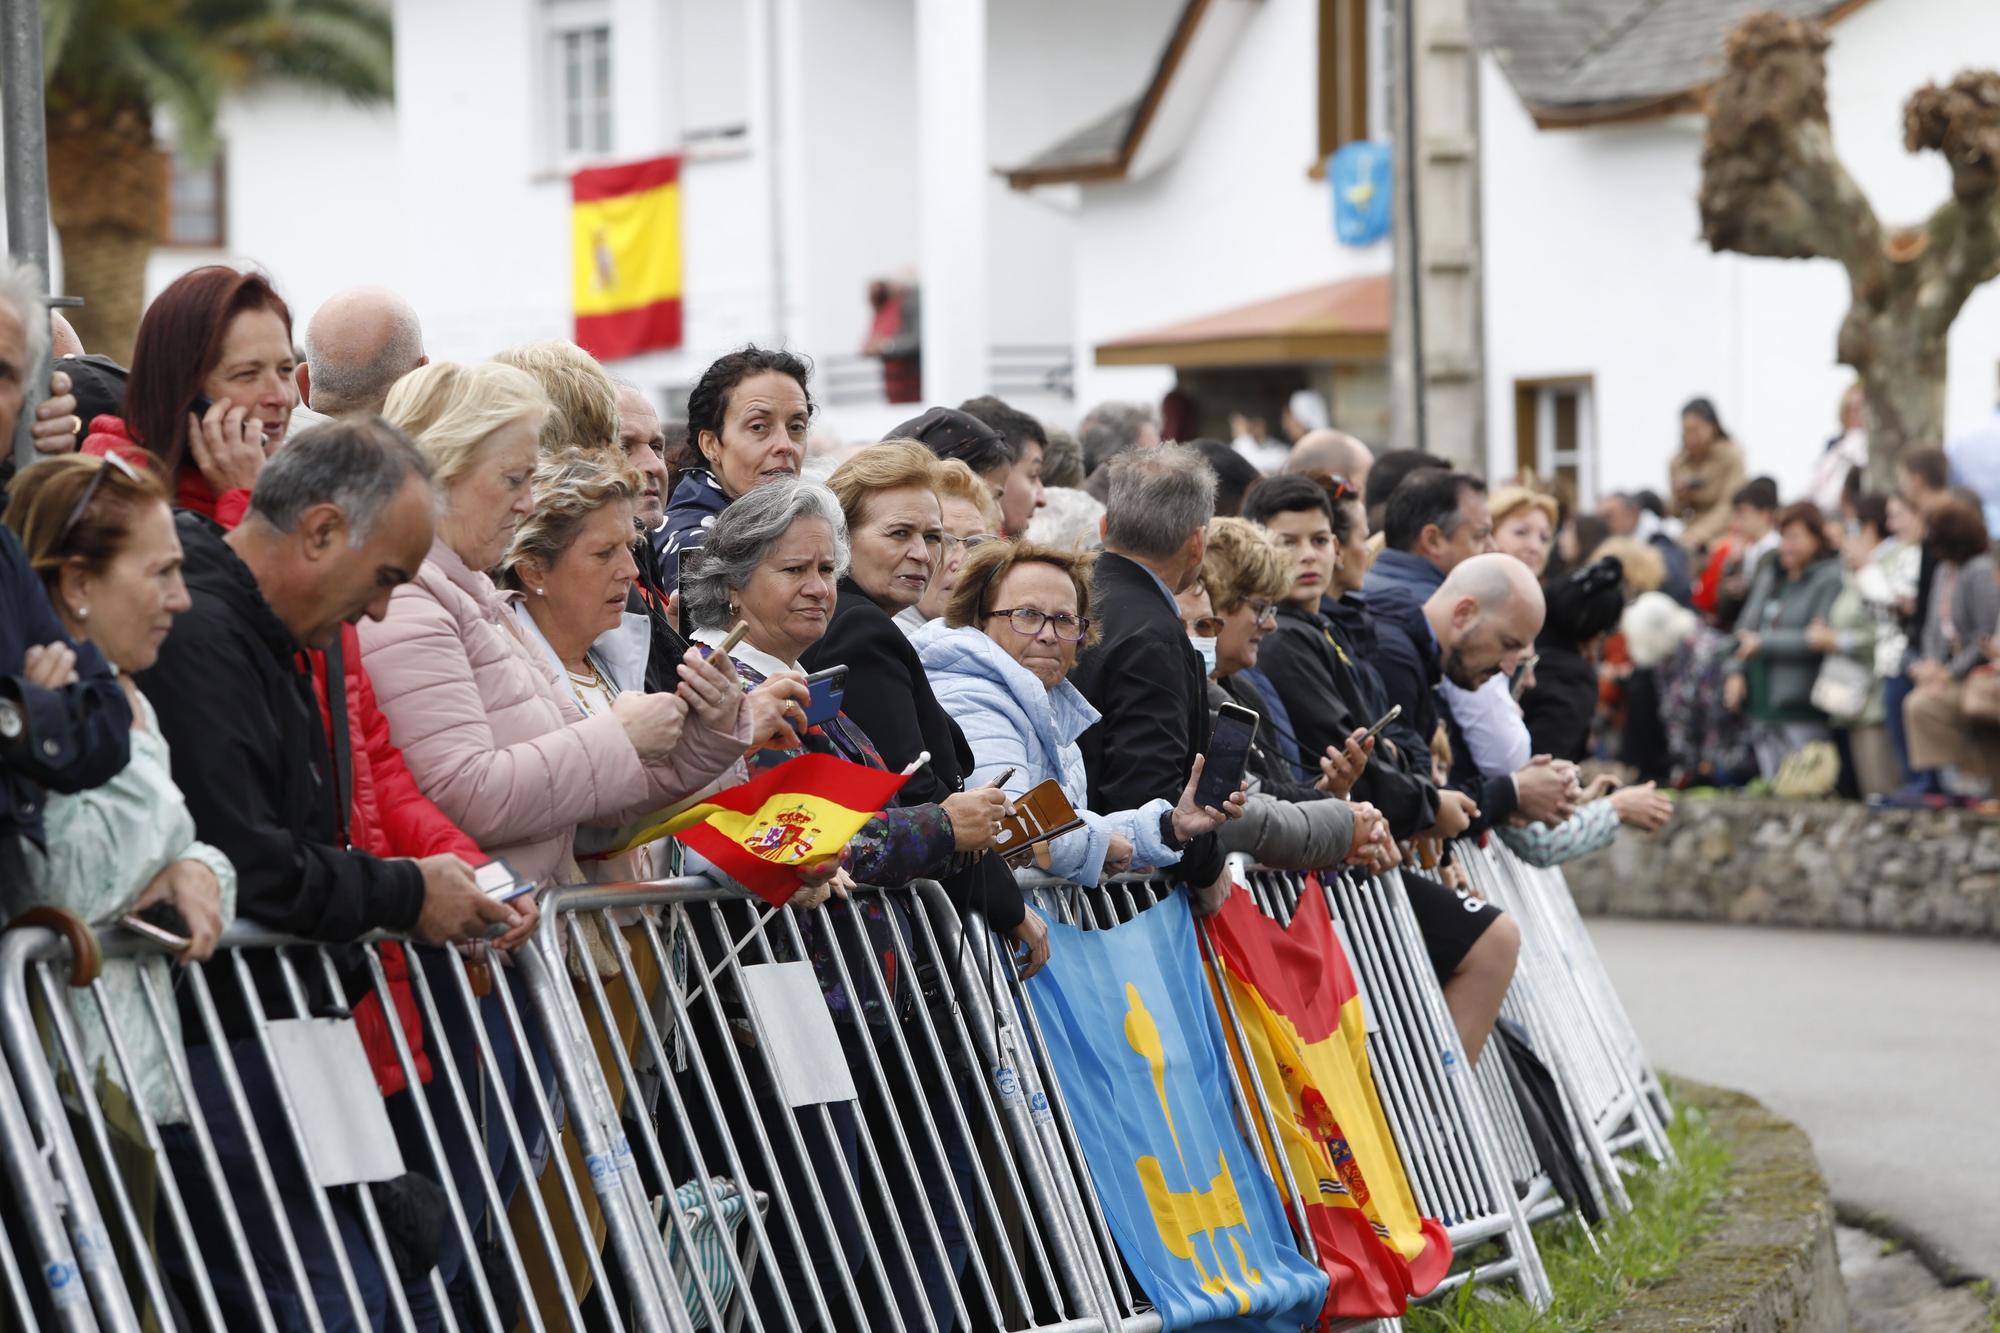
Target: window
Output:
[(714, 62), (1344, 68), (195, 204), (578, 79), (1555, 436)]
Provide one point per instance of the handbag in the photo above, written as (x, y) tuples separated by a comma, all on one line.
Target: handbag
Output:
[(1980, 698), (1843, 687)]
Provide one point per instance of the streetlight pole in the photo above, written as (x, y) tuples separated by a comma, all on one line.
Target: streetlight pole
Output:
[(24, 147)]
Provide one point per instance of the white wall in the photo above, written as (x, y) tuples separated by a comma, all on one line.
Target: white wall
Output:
[(1595, 264), (1232, 219)]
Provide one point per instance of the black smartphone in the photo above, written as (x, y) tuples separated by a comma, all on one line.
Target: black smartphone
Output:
[(202, 402), (828, 688), (1228, 752), (162, 922)]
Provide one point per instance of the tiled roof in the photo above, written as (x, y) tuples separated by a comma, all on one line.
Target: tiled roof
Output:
[(1580, 55)]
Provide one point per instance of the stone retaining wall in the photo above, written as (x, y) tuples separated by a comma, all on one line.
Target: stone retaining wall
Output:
[(1803, 863)]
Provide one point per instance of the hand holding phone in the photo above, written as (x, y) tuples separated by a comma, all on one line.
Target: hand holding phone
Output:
[(1382, 722), (1221, 769), (828, 688)]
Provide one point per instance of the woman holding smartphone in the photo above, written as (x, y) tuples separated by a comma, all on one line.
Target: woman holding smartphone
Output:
[(99, 532)]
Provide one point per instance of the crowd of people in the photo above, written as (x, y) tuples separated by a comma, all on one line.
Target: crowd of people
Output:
[(300, 630)]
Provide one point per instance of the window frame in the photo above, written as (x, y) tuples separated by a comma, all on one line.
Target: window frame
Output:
[(1343, 75), (218, 170), (563, 22)]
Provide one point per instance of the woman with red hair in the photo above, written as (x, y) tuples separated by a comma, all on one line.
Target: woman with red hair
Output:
[(210, 391)]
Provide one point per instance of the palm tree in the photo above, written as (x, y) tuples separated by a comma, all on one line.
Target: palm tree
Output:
[(112, 65)]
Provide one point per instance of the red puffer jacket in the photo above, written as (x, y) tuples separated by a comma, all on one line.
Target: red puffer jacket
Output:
[(387, 814)]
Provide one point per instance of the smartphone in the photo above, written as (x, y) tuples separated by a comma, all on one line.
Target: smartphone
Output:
[(1522, 673), (1382, 722), (497, 880), (1228, 753), (828, 688), (162, 922), (202, 402)]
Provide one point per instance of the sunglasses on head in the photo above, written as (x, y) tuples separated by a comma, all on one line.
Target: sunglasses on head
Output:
[(111, 460), (1337, 487)]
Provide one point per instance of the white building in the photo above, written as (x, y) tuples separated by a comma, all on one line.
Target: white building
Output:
[(1118, 190)]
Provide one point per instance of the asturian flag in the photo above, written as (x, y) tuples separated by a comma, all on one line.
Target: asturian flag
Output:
[(625, 237), (1136, 1043), (1301, 1012)]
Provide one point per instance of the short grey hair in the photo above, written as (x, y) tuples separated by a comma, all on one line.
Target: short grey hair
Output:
[(342, 385), (1110, 429), (743, 536), (359, 465), (1159, 498), (21, 287)]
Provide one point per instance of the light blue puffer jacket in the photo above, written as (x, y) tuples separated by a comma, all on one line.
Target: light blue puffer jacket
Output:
[(1012, 720)]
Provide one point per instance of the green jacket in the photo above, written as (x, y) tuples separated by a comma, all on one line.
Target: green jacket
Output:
[(1782, 673)]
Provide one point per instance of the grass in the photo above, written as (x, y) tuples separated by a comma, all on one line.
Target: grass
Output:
[(1670, 1211)]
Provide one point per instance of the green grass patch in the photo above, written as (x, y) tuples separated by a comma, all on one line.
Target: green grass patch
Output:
[(1670, 1211)]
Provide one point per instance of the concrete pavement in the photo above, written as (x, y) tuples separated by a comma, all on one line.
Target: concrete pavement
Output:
[(1884, 1049)]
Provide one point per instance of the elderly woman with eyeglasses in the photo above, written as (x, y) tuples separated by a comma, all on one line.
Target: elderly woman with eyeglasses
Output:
[(1000, 664)]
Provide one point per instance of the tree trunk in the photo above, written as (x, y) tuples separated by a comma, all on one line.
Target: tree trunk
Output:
[(1902, 377), (107, 197)]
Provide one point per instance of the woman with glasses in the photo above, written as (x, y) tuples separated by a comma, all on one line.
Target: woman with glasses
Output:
[(1000, 663), (971, 516)]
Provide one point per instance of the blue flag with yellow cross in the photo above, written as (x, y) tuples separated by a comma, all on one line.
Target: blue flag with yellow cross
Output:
[(1137, 1046)]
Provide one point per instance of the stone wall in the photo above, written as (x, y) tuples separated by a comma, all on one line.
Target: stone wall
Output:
[(1803, 863)]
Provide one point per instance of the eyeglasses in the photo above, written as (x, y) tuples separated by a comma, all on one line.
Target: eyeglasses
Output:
[(952, 543), (1265, 610), (1337, 487), (111, 460), (1207, 627), (1028, 621)]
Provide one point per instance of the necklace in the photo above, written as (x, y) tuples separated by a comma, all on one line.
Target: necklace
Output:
[(593, 680)]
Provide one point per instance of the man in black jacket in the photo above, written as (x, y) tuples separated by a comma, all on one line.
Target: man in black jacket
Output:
[(341, 517), (1142, 675)]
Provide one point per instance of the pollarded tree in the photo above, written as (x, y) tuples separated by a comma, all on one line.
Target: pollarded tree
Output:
[(1772, 185), (111, 65)]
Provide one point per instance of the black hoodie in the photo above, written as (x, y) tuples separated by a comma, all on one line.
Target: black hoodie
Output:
[(236, 707)]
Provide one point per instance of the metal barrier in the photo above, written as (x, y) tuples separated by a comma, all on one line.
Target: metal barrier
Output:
[(677, 1110)]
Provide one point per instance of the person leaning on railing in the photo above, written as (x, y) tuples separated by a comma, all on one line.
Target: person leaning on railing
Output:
[(1287, 824), (101, 537), (1000, 665)]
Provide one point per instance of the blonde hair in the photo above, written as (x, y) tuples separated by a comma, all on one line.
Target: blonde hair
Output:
[(956, 481), (584, 399), (1645, 569), (450, 407), (1243, 561), (887, 466), (569, 487), (1510, 500)]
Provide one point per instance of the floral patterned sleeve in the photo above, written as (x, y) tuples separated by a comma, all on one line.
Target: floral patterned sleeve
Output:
[(901, 844)]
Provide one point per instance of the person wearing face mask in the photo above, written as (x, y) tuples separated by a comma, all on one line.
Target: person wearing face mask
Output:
[(1000, 663), (971, 518), (1287, 825), (748, 416), (210, 389)]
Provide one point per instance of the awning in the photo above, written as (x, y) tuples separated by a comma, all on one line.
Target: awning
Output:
[(1338, 321)]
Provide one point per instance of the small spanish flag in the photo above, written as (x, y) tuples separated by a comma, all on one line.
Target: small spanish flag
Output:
[(625, 230), (761, 833), (1301, 1014)]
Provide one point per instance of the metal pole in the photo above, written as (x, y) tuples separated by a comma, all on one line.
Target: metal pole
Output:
[(24, 144)]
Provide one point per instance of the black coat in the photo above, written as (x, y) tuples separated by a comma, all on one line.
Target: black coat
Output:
[(1321, 685), (237, 709), (1562, 706), (71, 739), (889, 697), (1148, 684)]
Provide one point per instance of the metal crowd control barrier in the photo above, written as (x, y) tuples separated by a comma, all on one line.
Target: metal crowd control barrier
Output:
[(1551, 999), (679, 1110)]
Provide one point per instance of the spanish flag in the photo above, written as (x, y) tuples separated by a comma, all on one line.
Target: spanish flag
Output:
[(801, 813), (1301, 1011), (625, 237)]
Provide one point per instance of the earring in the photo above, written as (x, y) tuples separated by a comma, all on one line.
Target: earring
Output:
[(541, 592), (83, 613)]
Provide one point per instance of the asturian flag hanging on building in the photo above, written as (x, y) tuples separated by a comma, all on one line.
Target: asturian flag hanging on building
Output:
[(625, 229), (1359, 174)]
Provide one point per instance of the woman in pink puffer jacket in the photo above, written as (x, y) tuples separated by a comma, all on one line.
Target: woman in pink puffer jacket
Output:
[(490, 734)]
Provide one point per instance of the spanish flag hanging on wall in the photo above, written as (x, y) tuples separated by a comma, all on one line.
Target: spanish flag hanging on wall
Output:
[(1301, 1011), (625, 237), (803, 812)]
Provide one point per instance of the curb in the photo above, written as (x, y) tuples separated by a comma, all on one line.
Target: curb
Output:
[(1770, 1264)]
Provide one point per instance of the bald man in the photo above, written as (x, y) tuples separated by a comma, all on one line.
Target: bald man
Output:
[(1332, 451), (359, 343)]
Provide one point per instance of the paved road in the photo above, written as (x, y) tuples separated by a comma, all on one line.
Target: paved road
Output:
[(1885, 1049)]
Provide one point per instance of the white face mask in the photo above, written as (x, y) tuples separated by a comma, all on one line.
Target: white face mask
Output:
[(1206, 647)]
